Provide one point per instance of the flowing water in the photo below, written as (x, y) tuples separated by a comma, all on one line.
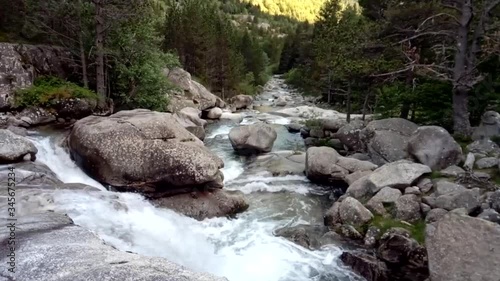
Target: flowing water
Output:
[(239, 249)]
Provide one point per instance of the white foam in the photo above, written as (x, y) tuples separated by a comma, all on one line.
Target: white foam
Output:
[(263, 187)]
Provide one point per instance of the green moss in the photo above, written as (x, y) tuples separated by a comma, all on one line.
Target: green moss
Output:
[(313, 123), (436, 175), (417, 229), (48, 90)]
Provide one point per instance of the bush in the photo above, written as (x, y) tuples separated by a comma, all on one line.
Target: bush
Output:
[(47, 90), (417, 229)]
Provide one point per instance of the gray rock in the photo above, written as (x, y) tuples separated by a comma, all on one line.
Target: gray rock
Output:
[(321, 167), (435, 147), (366, 265), (425, 209), (495, 201), (429, 200), (444, 187), (335, 144), (468, 199), (425, 185), (487, 163), (413, 190), (241, 102), (362, 189), (484, 147), (144, 151), (463, 248), (349, 135), (13, 148), (387, 140), (407, 208), (395, 248), (253, 139), (349, 232), (308, 236), (190, 119), (317, 133), (386, 196), (332, 125), (482, 176), (452, 171), (490, 215), (361, 156), (469, 161), (489, 127), (435, 215), (29, 173), (351, 178), (352, 212), (355, 165), (332, 216), (58, 250), (400, 174), (279, 163), (202, 205), (371, 236), (396, 231), (20, 131), (293, 127), (214, 113)]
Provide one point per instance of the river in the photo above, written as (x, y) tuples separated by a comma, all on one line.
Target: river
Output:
[(240, 249)]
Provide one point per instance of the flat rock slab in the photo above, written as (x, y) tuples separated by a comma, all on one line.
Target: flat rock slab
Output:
[(53, 248)]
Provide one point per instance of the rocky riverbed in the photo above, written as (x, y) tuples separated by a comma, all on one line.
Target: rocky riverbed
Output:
[(275, 189)]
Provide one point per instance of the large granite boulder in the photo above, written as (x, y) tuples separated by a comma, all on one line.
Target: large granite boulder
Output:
[(29, 173), (241, 102), (352, 212), (190, 118), (253, 139), (321, 167), (349, 135), (145, 151), (59, 250), (407, 208), (386, 196), (387, 140), (435, 147), (13, 148), (467, 199), (463, 248), (308, 236), (400, 174), (192, 93), (279, 163), (489, 127)]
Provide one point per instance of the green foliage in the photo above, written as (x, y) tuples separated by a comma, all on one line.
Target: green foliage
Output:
[(417, 229), (48, 90), (313, 123)]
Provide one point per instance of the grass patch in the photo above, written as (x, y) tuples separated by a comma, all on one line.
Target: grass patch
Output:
[(417, 229), (48, 90), (436, 175), (313, 123)]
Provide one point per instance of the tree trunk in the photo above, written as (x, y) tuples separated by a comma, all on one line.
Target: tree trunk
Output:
[(461, 123), (99, 43), (83, 56), (365, 105), (348, 102)]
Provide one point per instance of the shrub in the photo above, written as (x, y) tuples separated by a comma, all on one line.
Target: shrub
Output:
[(47, 90), (417, 230)]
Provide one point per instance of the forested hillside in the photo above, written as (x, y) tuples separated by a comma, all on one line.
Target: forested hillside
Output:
[(400, 59), (303, 10)]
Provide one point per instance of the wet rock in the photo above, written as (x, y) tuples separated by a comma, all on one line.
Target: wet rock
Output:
[(463, 248), (452, 171), (203, 205), (13, 148), (35, 116), (434, 147), (293, 127), (29, 173), (386, 196), (407, 208), (308, 236), (253, 139), (280, 163), (52, 240), (366, 265), (332, 216), (387, 140), (400, 174), (349, 232), (214, 113), (144, 151), (435, 214), (352, 212), (487, 163)]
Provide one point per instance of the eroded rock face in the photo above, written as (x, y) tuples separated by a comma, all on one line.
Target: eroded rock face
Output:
[(202, 205), (252, 139), (435, 147), (387, 140), (463, 248), (145, 151), (13, 148), (51, 240)]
